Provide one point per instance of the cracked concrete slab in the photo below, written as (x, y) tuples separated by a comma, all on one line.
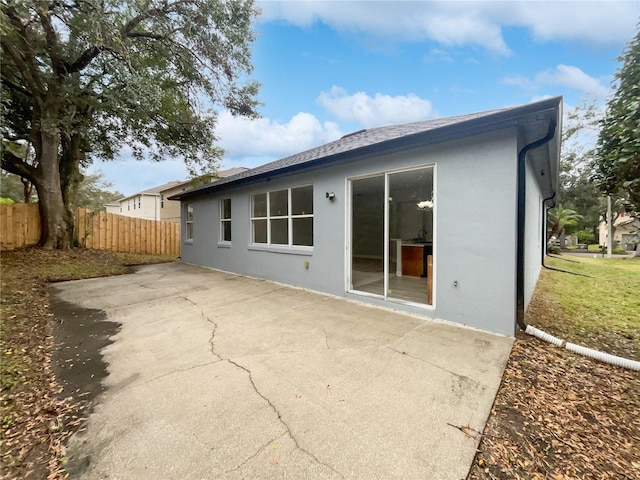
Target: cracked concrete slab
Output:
[(212, 375)]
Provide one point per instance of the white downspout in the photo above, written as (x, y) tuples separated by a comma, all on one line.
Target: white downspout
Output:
[(587, 352)]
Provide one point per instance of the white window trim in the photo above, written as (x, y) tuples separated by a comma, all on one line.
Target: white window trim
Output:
[(279, 247), (187, 222), (221, 241)]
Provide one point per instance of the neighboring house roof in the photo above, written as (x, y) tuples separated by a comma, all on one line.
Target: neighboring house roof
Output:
[(622, 221), (160, 188), (231, 171), (218, 175), (402, 137), (156, 191)]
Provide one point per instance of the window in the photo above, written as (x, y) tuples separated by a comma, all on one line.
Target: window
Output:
[(189, 218), (139, 201), (161, 201), (225, 220), (283, 217)]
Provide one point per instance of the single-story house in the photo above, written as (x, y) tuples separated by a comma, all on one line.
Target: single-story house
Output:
[(443, 218)]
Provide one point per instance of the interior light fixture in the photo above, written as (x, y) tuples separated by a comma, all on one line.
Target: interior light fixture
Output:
[(425, 205)]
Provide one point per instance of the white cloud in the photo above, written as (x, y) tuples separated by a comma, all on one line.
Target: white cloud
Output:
[(574, 78), (377, 110), (478, 23), (602, 23), (566, 76), (247, 143), (404, 21), (264, 138)]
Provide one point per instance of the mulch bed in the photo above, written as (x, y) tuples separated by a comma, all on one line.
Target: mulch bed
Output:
[(559, 415)]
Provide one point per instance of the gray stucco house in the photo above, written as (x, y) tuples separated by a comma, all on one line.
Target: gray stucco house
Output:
[(442, 218)]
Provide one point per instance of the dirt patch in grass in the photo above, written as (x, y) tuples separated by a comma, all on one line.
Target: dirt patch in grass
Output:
[(558, 415), (36, 413)]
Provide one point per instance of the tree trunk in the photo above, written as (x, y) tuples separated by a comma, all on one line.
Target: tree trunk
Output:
[(56, 219), (70, 176), (27, 189)]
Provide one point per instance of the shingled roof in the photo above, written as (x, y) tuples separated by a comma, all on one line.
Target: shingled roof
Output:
[(381, 140)]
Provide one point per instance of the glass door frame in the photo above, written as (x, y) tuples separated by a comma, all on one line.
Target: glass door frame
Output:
[(349, 236)]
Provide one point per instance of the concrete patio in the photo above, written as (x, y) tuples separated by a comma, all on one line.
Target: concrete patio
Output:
[(213, 375)]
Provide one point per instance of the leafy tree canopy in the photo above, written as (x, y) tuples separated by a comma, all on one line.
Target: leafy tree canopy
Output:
[(561, 218), (94, 192), (83, 78), (576, 190), (17, 189), (618, 161)]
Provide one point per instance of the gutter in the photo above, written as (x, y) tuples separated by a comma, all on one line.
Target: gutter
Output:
[(521, 189)]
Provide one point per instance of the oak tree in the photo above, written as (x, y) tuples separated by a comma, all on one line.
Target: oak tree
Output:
[(83, 78)]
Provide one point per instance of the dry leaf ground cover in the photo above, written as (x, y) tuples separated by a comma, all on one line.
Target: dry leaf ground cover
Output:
[(558, 415), (35, 421)]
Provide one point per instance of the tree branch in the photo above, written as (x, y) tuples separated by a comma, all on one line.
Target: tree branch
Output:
[(52, 46), (135, 21), (85, 59), (26, 68), (153, 36), (14, 86), (14, 164)]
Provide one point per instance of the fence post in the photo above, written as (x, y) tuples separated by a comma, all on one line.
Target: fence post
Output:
[(109, 232), (9, 239)]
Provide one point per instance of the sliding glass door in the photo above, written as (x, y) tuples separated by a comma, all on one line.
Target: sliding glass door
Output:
[(392, 235), (367, 235)]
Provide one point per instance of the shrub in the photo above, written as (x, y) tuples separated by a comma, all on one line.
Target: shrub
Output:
[(553, 248), (585, 236)]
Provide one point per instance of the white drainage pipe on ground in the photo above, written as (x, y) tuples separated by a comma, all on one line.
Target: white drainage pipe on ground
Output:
[(587, 352)]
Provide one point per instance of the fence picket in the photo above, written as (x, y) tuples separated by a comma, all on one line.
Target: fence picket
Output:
[(20, 226)]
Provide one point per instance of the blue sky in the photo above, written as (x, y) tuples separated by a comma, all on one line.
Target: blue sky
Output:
[(330, 68)]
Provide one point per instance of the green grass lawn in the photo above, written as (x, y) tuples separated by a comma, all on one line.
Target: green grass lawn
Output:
[(601, 312), (598, 249)]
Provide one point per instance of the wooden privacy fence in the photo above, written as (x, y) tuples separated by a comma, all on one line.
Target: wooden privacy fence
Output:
[(108, 231), (20, 226)]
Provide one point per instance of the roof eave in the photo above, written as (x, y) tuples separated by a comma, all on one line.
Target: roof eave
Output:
[(442, 134)]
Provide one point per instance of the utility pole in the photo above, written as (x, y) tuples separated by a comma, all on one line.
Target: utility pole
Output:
[(609, 228)]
